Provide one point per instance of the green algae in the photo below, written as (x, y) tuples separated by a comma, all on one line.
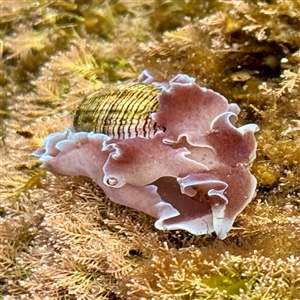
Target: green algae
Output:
[(231, 285)]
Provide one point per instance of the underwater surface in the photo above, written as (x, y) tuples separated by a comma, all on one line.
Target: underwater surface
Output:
[(61, 237)]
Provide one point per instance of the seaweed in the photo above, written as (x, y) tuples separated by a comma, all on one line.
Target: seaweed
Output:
[(61, 238)]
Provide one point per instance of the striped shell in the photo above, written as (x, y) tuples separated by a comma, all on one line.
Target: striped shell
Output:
[(119, 111)]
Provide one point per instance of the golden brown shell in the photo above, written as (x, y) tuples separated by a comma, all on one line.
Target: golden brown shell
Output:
[(120, 111)]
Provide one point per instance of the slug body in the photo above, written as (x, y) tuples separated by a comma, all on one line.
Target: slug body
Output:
[(170, 149), (119, 111)]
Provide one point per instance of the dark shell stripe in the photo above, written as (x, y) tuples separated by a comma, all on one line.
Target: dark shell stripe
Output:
[(120, 111)]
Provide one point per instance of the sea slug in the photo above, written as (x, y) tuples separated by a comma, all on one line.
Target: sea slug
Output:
[(169, 149)]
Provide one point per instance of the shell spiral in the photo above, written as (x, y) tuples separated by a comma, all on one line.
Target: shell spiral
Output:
[(119, 111)]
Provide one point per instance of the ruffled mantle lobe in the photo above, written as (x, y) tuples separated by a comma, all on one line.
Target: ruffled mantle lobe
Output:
[(193, 176)]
